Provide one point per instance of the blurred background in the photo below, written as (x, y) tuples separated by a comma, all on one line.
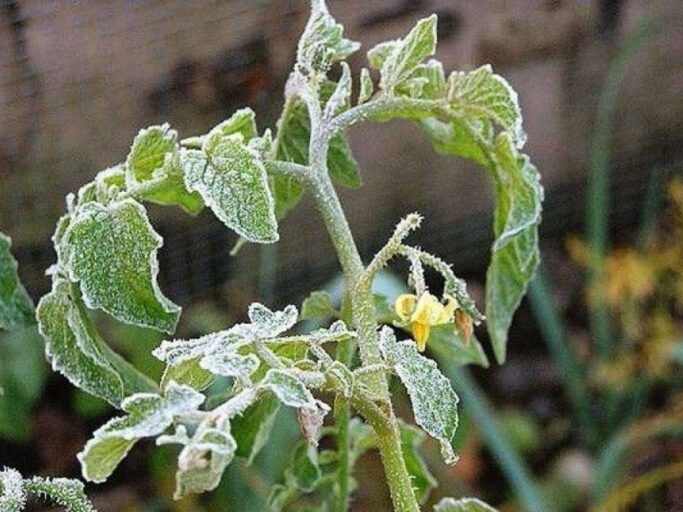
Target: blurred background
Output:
[(587, 408)]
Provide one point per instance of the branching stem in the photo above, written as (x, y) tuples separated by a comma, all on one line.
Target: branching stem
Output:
[(382, 418)]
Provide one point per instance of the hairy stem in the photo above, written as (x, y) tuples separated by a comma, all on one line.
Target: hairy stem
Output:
[(363, 313)]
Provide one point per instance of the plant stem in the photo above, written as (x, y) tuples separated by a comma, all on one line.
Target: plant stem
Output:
[(389, 444), (362, 306)]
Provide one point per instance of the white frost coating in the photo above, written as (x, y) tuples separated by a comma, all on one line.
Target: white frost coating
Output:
[(431, 395), (289, 389), (342, 93), (148, 152), (12, 495), (269, 324), (232, 180), (71, 348), (402, 56), (518, 179), (483, 93), (322, 35), (174, 352), (112, 252), (462, 505), (148, 415), (231, 365), (202, 461)]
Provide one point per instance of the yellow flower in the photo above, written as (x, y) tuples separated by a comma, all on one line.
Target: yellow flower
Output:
[(423, 313)]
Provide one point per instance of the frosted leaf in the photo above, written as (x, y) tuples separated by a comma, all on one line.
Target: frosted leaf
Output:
[(231, 365), (422, 480), (427, 81), (243, 122), (321, 43), (148, 152), (112, 252), (433, 400), (342, 92), (304, 471), (483, 94), (73, 349), (149, 414), (269, 324), (232, 180), (515, 254), (318, 304), (253, 426), (170, 188), (400, 58), (174, 352), (335, 332), (16, 307), (187, 372), (378, 54), (366, 86), (462, 505), (344, 377), (289, 389), (12, 494), (203, 460)]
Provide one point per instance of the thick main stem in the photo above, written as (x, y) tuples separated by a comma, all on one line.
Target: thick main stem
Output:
[(362, 306)]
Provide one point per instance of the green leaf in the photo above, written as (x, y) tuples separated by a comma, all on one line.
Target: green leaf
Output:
[(317, 305), (340, 98), (366, 86), (75, 349), (515, 252), (321, 43), (232, 181), (148, 415), (402, 58), (482, 94), (16, 307), (462, 505), (148, 152), (448, 344), (232, 364), (188, 372), (288, 389), (422, 480), (304, 471), (243, 121), (427, 81), (203, 460), (431, 395), (378, 54), (170, 189), (252, 428), (22, 376), (111, 251)]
